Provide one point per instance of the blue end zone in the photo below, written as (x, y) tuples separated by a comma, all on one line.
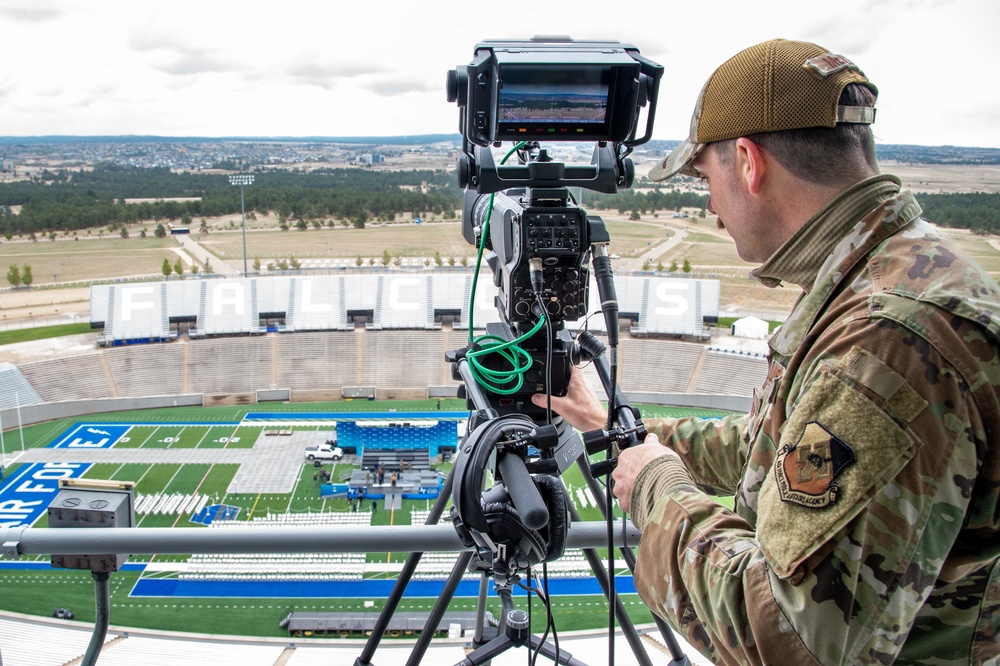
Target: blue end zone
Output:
[(92, 436), (26, 495)]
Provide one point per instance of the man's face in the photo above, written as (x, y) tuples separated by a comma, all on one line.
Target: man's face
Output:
[(729, 199)]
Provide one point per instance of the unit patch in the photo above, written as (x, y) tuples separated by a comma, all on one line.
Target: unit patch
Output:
[(806, 472), (829, 64)]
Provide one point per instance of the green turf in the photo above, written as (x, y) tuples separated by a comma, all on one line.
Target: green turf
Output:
[(42, 333), (40, 592), (217, 480), (251, 617)]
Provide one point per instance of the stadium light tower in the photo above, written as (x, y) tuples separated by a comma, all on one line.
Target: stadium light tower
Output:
[(242, 179)]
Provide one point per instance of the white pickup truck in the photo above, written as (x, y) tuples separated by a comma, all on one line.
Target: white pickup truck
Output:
[(324, 452)]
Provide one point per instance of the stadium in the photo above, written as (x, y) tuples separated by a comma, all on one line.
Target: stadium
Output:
[(205, 393)]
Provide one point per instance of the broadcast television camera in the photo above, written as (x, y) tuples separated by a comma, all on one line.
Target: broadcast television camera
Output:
[(539, 240), (538, 243), (508, 506)]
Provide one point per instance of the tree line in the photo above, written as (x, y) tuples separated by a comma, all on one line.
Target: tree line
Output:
[(976, 211), (64, 201), (648, 201)]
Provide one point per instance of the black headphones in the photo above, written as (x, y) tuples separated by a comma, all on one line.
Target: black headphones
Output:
[(488, 519)]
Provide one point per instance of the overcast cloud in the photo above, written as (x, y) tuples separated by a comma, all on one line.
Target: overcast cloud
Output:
[(301, 68)]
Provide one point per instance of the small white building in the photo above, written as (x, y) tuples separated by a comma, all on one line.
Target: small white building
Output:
[(751, 327)]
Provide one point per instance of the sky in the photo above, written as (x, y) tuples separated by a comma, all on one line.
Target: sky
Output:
[(218, 68)]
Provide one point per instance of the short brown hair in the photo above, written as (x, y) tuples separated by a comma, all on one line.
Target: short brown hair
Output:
[(838, 155)]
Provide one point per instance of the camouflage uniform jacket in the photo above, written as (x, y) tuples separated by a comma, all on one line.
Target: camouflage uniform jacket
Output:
[(866, 475)]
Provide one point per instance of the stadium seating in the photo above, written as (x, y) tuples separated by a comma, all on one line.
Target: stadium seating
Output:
[(316, 360), (16, 389), (389, 360), (663, 366), (69, 378), (139, 370), (222, 365), (725, 373)]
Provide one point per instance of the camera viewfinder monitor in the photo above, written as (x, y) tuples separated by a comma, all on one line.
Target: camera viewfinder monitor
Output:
[(566, 91), (553, 103)]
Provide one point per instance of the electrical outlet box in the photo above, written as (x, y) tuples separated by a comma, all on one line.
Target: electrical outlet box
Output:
[(92, 503)]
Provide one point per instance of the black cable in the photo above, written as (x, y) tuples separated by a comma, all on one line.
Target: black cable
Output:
[(550, 621), (549, 343), (604, 275), (552, 618), (530, 588), (537, 276)]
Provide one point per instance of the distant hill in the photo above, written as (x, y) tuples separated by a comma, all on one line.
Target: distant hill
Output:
[(959, 155), (907, 153), (937, 154)]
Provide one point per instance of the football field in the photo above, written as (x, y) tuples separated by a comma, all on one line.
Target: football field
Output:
[(188, 460)]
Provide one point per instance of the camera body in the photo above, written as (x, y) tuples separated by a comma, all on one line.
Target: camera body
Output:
[(540, 241), (528, 223)]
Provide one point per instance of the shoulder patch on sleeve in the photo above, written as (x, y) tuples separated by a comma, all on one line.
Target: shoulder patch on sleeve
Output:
[(868, 370), (806, 472), (838, 450)]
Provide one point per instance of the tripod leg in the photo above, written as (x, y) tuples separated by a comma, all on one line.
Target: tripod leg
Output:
[(549, 650), (434, 619), (405, 574), (601, 574), (477, 638), (485, 653), (502, 643)]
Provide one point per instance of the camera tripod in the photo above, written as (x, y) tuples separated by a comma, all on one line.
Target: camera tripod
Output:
[(514, 630)]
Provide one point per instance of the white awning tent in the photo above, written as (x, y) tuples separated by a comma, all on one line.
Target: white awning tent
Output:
[(750, 327)]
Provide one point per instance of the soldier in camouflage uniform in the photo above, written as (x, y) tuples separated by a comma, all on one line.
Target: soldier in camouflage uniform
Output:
[(866, 475)]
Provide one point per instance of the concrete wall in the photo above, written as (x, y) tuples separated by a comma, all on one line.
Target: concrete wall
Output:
[(30, 414), (52, 411)]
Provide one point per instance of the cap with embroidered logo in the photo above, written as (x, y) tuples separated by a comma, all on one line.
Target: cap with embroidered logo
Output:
[(773, 86)]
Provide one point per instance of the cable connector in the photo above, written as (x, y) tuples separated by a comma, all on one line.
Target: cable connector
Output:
[(536, 274)]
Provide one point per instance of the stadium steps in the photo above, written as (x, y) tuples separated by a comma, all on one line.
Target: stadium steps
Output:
[(285, 657), (696, 371), (109, 376)]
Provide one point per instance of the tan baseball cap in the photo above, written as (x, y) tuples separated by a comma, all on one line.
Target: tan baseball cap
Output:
[(773, 86)]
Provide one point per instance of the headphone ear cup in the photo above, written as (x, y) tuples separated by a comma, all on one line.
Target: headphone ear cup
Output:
[(472, 461), (505, 526), (554, 532)]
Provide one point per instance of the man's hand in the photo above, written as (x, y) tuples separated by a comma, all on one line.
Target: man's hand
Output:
[(580, 406), (633, 460)]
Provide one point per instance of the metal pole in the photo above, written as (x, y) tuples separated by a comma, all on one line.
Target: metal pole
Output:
[(20, 429), (243, 222), (405, 574), (243, 179), (24, 540), (440, 606)]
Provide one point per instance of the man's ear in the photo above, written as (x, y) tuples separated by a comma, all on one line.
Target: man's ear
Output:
[(751, 164)]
